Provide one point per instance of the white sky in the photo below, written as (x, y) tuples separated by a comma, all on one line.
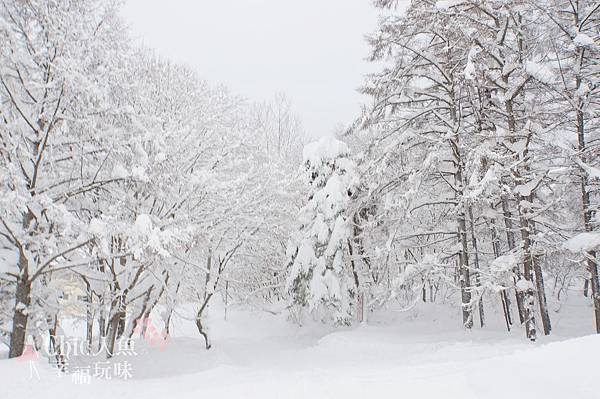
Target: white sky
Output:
[(312, 50)]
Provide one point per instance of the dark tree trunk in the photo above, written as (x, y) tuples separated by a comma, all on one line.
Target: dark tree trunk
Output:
[(528, 294), (199, 325), (122, 322), (465, 277), (203, 332), (593, 269), (111, 338), (102, 328), (18, 334), (503, 295), (89, 326), (541, 291), (205, 303), (463, 256), (476, 263), (56, 346), (592, 264), (510, 239)]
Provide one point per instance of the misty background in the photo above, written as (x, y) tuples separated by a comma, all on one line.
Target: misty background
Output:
[(313, 51)]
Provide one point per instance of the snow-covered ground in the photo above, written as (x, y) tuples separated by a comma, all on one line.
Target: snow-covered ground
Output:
[(258, 355)]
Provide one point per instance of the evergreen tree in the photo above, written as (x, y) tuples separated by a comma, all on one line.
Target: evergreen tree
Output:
[(319, 276)]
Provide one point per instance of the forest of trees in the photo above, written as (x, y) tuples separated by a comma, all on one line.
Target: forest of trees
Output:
[(471, 179), (482, 155)]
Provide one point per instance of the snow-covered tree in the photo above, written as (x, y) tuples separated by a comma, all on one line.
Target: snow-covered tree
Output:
[(466, 162), (58, 120), (122, 172), (319, 276)]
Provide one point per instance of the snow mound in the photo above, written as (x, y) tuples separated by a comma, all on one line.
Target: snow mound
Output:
[(325, 149), (583, 242), (539, 71), (582, 40)]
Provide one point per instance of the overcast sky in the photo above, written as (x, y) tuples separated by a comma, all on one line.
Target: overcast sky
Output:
[(313, 50)]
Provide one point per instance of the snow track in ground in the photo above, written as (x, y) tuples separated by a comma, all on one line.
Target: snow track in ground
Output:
[(260, 356)]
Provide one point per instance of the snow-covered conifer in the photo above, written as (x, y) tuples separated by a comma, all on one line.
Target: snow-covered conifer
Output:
[(319, 275)]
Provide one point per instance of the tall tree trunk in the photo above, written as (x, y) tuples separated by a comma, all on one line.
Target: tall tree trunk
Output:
[(465, 278), (510, 239), (56, 344), (463, 256), (111, 337), (527, 288), (593, 269), (207, 297), (503, 295), (541, 291), (592, 264), (141, 319), (89, 323), (18, 333), (476, 263), (199, 324), (591, 260), (122, 322), (102, 328)]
